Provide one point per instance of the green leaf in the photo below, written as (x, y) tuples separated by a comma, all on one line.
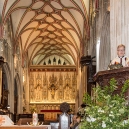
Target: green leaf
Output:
[(106, 109)]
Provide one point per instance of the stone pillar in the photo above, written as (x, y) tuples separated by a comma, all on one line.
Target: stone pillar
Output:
[(104, 49), (81, 88), (100, 34), (77, 100), (1, 64), (119, 25)]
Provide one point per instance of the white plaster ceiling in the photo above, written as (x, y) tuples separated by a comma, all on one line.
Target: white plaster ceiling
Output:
[(47, 28)]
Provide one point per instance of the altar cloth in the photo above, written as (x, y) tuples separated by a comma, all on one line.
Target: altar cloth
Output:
[(5, 121), (26, 127)]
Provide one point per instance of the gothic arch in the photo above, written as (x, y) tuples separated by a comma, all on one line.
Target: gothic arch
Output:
[(9, 84), (8, 74), (19, 90)]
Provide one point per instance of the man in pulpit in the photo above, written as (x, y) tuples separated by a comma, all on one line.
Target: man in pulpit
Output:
[(121, 58)]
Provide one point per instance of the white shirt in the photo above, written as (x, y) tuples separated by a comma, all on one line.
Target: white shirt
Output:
[(117, 60)]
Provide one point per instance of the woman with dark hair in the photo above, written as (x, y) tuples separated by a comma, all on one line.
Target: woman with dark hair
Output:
[(78, 119), (74, 121)]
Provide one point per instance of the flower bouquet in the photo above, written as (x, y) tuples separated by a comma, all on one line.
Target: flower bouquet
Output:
[(106, 109)]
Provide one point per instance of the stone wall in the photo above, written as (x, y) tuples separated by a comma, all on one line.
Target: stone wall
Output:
[(99, 45), (119, 25), (12, 65)]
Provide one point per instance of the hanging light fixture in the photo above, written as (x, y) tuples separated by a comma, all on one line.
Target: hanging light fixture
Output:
[(49, 61)]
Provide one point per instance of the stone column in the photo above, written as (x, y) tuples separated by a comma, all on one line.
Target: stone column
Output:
[(78, 90), (1, 6), (1, 64), (119, 25)]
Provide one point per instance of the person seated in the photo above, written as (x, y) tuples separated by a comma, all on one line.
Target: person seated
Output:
[(78, 119), (74, 121), (121, 58)]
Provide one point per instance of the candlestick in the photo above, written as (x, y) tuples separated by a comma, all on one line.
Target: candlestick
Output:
[(35, 119)]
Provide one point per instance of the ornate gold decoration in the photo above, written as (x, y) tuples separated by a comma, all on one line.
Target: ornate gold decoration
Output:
[(38, 88), (45, 82), (31, 83), (53, 85), (67, 87), (48, 87), (60, 80)]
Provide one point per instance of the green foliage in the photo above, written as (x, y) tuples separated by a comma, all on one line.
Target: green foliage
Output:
[(106, 109)]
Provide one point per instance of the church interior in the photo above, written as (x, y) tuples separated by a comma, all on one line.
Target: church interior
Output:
[(50, 51)]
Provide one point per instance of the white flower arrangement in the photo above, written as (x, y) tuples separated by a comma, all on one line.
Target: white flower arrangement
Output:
[(107, 110)]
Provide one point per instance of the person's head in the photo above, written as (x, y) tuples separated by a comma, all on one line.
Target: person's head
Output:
[(83, 105), (74, 117), (121, 50), (78, 118)]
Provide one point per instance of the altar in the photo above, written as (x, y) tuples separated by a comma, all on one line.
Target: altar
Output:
[(7, 123), (26, 127)]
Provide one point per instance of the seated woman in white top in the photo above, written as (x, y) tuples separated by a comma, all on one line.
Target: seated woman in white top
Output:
[(121, 58)]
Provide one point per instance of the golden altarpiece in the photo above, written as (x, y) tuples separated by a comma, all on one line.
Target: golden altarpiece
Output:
[(49, 87)]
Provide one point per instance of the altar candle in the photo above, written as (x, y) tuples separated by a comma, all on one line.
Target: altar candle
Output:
[(35, 119)]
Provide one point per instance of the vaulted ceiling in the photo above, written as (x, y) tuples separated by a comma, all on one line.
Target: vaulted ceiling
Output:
[(47, 28)]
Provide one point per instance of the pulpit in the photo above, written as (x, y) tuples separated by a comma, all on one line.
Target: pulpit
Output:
[(120, 75)]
